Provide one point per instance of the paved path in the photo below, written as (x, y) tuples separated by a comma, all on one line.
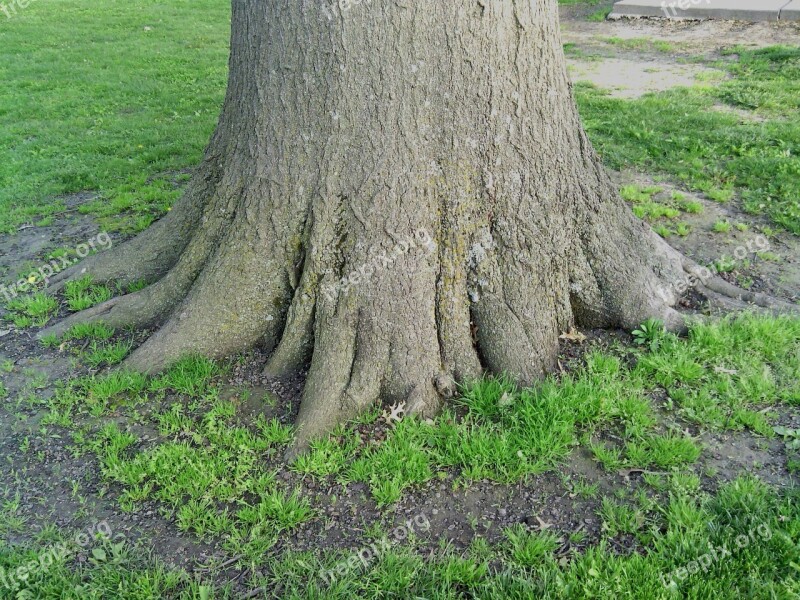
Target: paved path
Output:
[(744, 10)]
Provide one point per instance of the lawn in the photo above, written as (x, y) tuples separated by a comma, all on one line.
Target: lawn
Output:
[(649, 466), (119, 101), (116, 99)]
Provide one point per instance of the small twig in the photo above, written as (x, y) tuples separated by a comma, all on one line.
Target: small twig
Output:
[(254, 593), (239, 576), (227, 563)]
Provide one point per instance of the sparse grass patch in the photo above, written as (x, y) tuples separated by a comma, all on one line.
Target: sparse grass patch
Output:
[(722, 227), (217, 466), (11, 518), (34, 310), (679, 534), (89, 331), (401, 461), (664, 452), (728, 370), (191, 376), (599, 16), (640, 43), (530, 549), (93, 393), (328, 455), (101, 354), (620, 518), (214, 476), (82, 294), (507, 434), (105, 570), (683, 532), (655, 210), (635, 193)]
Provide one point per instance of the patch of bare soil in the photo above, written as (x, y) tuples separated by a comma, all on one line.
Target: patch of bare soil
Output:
[(634, 77), (689, 38), (614, 56)]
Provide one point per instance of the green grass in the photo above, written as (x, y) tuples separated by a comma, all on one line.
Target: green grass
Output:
[(529, 549), (89, 331), (100, 103), (679, 133), (218, 465), (722, 227), (34, 310), (640, 44), (93, 393), (69, 126), (82, 294), (740, 542), (683, 530), (103, 354), (191, 376), (729, 371), (662, 214), (726, 375), (599, 15), (63, 568), (766, 80), (216, 477)]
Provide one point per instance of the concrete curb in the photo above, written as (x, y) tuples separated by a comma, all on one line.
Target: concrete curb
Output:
[(739, 10), (791, 12)]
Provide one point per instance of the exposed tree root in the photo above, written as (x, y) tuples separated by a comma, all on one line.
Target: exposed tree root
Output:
[(732, 297), (151, 254), (141, 309), (144, 258), (214, 319)]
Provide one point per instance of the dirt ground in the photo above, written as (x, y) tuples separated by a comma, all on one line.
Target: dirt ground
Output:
[(631, 74), (54, 487)]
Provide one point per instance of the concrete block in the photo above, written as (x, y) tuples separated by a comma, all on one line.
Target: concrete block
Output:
[(743, 10), (791, 12)]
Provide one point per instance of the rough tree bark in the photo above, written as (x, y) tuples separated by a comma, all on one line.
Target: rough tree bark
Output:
[(429, 152)]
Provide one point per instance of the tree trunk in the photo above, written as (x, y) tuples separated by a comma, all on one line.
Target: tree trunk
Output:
[(400, 193)]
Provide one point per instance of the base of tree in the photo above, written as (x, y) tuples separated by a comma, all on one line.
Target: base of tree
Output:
[(399, 212)]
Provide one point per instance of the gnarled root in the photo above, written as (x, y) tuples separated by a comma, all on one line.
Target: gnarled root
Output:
[(730, 297), (151, 254)]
